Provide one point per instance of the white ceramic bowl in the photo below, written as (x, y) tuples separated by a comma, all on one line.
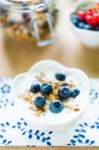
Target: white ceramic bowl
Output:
[(87, 37), (50, 121)]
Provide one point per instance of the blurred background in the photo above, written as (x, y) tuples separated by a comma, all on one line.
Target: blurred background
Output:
[(18, 56)]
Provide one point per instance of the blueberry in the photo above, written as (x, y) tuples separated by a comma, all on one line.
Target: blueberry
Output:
[(75, 20), (63, 93), (81, 25), (60, 76), (46, 88), (74, 93), (88, 27), (39, 101), (73, 17), (35, 88), (97, 28), (56, 106)]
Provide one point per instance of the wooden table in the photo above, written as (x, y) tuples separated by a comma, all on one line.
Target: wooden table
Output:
[(19, 57)]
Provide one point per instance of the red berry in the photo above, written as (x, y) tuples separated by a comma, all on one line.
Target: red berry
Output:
[(90, 11), (90, 21), (96, 18), (81, 14)]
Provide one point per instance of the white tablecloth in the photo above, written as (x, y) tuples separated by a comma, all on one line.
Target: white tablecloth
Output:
[(17, 131)]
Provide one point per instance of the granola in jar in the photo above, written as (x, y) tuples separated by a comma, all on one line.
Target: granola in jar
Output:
[(29, 20)]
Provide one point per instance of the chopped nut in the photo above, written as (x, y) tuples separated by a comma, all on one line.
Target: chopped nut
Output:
[(56, 97), (56, 82), (76, 109), (72, 108), (64, 84), (38, 113), (35, 108), (27, 96), (69, 107), (51, 97), (71, 84), (40, 78), (31, 108), (45, 107), (55, 91)]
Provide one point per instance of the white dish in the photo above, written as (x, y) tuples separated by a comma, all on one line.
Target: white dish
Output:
[(50, 121), (87, 37)]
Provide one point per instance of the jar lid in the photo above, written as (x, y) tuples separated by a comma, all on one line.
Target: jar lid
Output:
[(26, 5)]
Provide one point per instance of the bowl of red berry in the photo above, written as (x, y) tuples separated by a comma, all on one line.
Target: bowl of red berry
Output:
[(84, 20)]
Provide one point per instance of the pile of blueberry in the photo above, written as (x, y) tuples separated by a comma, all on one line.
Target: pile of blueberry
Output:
[(64, 93), (87, 17)]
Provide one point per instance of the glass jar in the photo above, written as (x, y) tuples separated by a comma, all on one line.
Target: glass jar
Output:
[(29, 20)]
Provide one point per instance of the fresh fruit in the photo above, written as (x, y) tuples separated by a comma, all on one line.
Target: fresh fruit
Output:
[(81, 25), (81, 14), (40, 101), (63, 93), (96, 18), (74, 93), (75, 20), (89, 20), (88, 17), (88, 27), (90, 11), (56, 106), (60, 76), (46, 88), (35, 88), (97, 28)]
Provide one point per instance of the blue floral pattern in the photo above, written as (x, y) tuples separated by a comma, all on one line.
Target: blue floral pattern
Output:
[(80, 136), (94, 91), (19, 132), (5, 87), (23, 128)]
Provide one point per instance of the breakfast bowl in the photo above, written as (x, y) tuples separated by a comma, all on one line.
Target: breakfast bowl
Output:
[(50, 95), (84, 21)]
